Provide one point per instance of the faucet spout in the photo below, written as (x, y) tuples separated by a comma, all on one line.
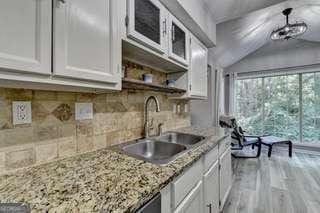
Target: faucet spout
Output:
[(146, 113)]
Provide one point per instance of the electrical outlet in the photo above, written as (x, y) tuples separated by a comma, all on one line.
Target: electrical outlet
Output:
[(84, 111), (21, 112)]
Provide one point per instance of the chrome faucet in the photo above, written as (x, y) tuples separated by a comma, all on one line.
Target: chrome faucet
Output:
[(146, 113)]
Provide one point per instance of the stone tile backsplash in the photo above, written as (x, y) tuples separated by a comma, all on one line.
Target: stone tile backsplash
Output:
[(54, 133)]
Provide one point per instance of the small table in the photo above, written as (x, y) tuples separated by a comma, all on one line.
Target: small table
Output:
[(271, 140)]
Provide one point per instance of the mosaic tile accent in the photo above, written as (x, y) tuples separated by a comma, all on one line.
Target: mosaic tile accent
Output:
[(63, 112)]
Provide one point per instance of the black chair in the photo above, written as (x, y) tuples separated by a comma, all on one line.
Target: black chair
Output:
[(241, 140)]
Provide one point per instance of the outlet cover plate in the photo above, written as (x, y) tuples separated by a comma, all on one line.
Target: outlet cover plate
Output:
[(84, 111), (21, 112)]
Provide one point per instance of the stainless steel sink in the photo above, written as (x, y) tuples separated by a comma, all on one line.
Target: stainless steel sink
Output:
[(162, 149), (180, 138), (154, 151)]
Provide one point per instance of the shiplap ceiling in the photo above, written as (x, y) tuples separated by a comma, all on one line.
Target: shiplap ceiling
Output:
[(239, 37), (225, 10)]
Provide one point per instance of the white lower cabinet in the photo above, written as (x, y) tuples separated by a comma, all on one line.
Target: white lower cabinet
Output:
[(225, 176), (193, 202), (204, 187), (211, 189)]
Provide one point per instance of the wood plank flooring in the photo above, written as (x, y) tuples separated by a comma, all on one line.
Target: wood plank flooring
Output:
[(276, 185)]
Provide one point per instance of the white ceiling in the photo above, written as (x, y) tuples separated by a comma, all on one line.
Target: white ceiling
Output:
[(225, 10), (240, 37)]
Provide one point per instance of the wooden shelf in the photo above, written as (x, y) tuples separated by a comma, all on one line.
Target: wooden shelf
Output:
[(141, 85)]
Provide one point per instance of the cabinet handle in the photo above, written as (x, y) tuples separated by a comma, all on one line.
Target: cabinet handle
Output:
[(173, 33), (62, 1), (210, 207), (164, 27)]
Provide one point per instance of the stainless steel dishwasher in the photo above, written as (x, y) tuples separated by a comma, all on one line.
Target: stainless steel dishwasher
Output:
[(153, 206)]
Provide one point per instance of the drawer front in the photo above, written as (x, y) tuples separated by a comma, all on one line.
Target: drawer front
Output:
[(210, 158), (224, 145), (193, 201), (184, 184)]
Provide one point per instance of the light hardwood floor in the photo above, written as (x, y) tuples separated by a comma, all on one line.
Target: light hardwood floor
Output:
[(276, 185)]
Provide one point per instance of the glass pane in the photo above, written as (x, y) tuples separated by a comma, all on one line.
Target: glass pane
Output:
[(311, 107), (178, 41), (147, 19), (249, 103), (281, 106)]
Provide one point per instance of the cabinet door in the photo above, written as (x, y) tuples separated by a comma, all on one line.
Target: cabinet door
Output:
[(83, 40), (211, 189), (198, 68), (193, 201), (25, 37), (225, 176), (146, 23), (179, 41)]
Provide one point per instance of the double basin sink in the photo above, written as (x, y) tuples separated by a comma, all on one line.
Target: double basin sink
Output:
[(162, 149)]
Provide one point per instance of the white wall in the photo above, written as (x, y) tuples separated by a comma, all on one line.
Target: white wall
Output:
[(279, 55)]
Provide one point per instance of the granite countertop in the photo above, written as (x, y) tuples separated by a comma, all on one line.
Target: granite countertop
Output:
[(100, 181)]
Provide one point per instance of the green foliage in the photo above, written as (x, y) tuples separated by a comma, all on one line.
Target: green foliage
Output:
[(271, 105)]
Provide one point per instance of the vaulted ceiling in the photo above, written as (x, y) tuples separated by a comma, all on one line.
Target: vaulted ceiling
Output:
[(250, 30), (225, 10)]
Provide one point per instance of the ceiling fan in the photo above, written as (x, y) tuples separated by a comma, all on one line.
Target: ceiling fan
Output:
[(289, 31)]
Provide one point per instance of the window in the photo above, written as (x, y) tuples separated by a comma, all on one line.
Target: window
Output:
[(249, 105), (311, 107), (285, 106)]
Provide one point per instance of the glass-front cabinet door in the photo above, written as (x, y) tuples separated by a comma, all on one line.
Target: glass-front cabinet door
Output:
[(179, 41), (146, 23)]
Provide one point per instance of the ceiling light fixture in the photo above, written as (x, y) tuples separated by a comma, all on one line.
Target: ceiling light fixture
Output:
[(289, 31)]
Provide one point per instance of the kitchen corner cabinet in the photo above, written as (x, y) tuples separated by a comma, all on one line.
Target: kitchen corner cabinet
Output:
[(25, 41), (198, 79), (83, 40), (204, 187), (195, 81), (70, 45)]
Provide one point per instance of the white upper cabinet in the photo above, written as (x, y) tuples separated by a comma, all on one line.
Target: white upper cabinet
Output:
[(198, 69), (25, 35), (147, 23), (83, 40), (179, 41), (196, 16)]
